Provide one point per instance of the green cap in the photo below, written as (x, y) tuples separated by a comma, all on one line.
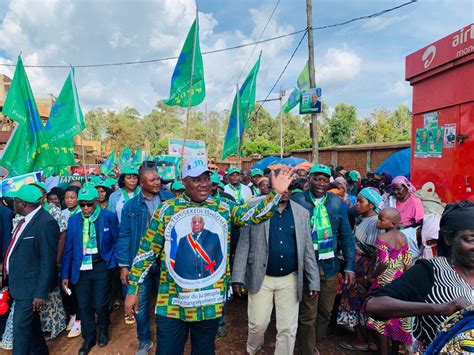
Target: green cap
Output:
[(41, 185), (234, 170), (256, 172), (28, 193), (215, 178), (320, 169), (102, 183), (87, 193), (221, 185), (177, 185), (129, 170), (353, 175)]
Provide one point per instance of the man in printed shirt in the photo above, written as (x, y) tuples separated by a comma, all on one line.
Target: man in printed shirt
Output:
[(188, 304)]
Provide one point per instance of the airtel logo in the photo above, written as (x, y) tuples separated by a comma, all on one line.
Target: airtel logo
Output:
[(429, 55)]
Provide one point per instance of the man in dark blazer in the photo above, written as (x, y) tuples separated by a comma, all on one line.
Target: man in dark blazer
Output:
[(89, 268), (30, 268), (271, 260), (199, 253)]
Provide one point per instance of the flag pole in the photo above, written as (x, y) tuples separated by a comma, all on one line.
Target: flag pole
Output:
[(191, 83), (239, 161)]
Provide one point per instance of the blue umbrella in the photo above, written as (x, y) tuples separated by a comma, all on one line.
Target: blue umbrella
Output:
[(265, 162), (396, 164)]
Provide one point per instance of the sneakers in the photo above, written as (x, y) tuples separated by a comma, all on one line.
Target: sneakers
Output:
[(221, 331), (72, 319), (144, 348), (129, 320), (75, 330)]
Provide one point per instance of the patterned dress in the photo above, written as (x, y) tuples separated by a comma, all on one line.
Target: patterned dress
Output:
[(352, 299), (398, 260)]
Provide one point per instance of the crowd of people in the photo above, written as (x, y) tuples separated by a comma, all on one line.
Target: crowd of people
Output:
[(317, 246)]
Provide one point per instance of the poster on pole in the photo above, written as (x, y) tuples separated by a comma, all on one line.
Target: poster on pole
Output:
[(311, 101), (192, 149)]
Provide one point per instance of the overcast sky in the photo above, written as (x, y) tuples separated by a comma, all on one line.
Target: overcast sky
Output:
[(361, 63)]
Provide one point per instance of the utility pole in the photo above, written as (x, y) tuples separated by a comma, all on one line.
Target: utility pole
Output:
[(282, 94), (312, 81)]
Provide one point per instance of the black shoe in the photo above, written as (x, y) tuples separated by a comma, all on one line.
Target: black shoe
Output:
[(103, 338), (86, 347)]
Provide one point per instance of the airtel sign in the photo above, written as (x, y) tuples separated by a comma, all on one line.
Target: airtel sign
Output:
[(454, 46)]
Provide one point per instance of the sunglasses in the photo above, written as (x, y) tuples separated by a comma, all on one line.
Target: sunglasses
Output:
[(87, 204)]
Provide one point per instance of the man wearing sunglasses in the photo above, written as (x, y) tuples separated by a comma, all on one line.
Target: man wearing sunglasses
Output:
[(89, 254)]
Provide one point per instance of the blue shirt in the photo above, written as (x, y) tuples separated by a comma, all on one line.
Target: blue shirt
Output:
[(282, 254)]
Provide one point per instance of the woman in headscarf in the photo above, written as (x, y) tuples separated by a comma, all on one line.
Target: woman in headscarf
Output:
[(434, 289), (342, 185), (366, 232), (404, 199)]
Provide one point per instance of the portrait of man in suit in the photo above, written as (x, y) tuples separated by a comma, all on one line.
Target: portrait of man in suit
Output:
[(199, 252)]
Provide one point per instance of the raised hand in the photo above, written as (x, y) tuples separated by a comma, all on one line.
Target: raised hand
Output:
[(282, 181)]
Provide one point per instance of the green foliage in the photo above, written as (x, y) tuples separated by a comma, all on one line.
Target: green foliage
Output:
[(128, 127), (260, 146), (342, 124)]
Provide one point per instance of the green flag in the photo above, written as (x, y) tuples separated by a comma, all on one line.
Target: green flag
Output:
[(303, 79), (28, 148), (108, 165), (66, 119), (293, 100), (125, 156), (244, 103), (137, 158), (295, 96), (181, 88)]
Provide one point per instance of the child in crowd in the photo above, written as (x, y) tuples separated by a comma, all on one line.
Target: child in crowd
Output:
[(393, 260)]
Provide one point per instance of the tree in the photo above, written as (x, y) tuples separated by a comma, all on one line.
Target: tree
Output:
[(96, 123), (260, 146), (125, 128), (401, 122), (342, 124)]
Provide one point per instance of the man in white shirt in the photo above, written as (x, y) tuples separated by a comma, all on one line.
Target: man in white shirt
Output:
[(235, 188)]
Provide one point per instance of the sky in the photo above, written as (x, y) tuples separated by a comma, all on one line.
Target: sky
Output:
[(362, 64)]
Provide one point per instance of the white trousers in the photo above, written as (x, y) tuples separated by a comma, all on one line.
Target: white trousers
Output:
[(260, 305)]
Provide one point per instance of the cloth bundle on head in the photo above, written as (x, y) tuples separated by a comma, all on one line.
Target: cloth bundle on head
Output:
[(402, 180), (430, 228), (458, 216)]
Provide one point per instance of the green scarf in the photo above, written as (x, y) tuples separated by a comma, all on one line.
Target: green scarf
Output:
[(47, 207), (74, 211), (125, 194), (237, 194), (89, 239), (321, 231)]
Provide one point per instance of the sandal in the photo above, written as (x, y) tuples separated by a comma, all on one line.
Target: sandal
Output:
[(348, 345), (129, 320)]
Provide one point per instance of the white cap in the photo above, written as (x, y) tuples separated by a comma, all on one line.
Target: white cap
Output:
[(194, 168)]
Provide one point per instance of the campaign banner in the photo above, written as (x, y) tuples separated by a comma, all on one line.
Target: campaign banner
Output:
[(192, 149), (15, 182), (311, 101)]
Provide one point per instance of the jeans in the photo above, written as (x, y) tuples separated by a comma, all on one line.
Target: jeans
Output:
[(142, 318), (172, 334), (315, 314), (93, 294)]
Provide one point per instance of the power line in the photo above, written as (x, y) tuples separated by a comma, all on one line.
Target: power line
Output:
[(279, 77), (221, 49), (259, 38)]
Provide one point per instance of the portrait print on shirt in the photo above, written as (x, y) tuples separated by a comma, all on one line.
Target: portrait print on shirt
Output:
[(196, 247)]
